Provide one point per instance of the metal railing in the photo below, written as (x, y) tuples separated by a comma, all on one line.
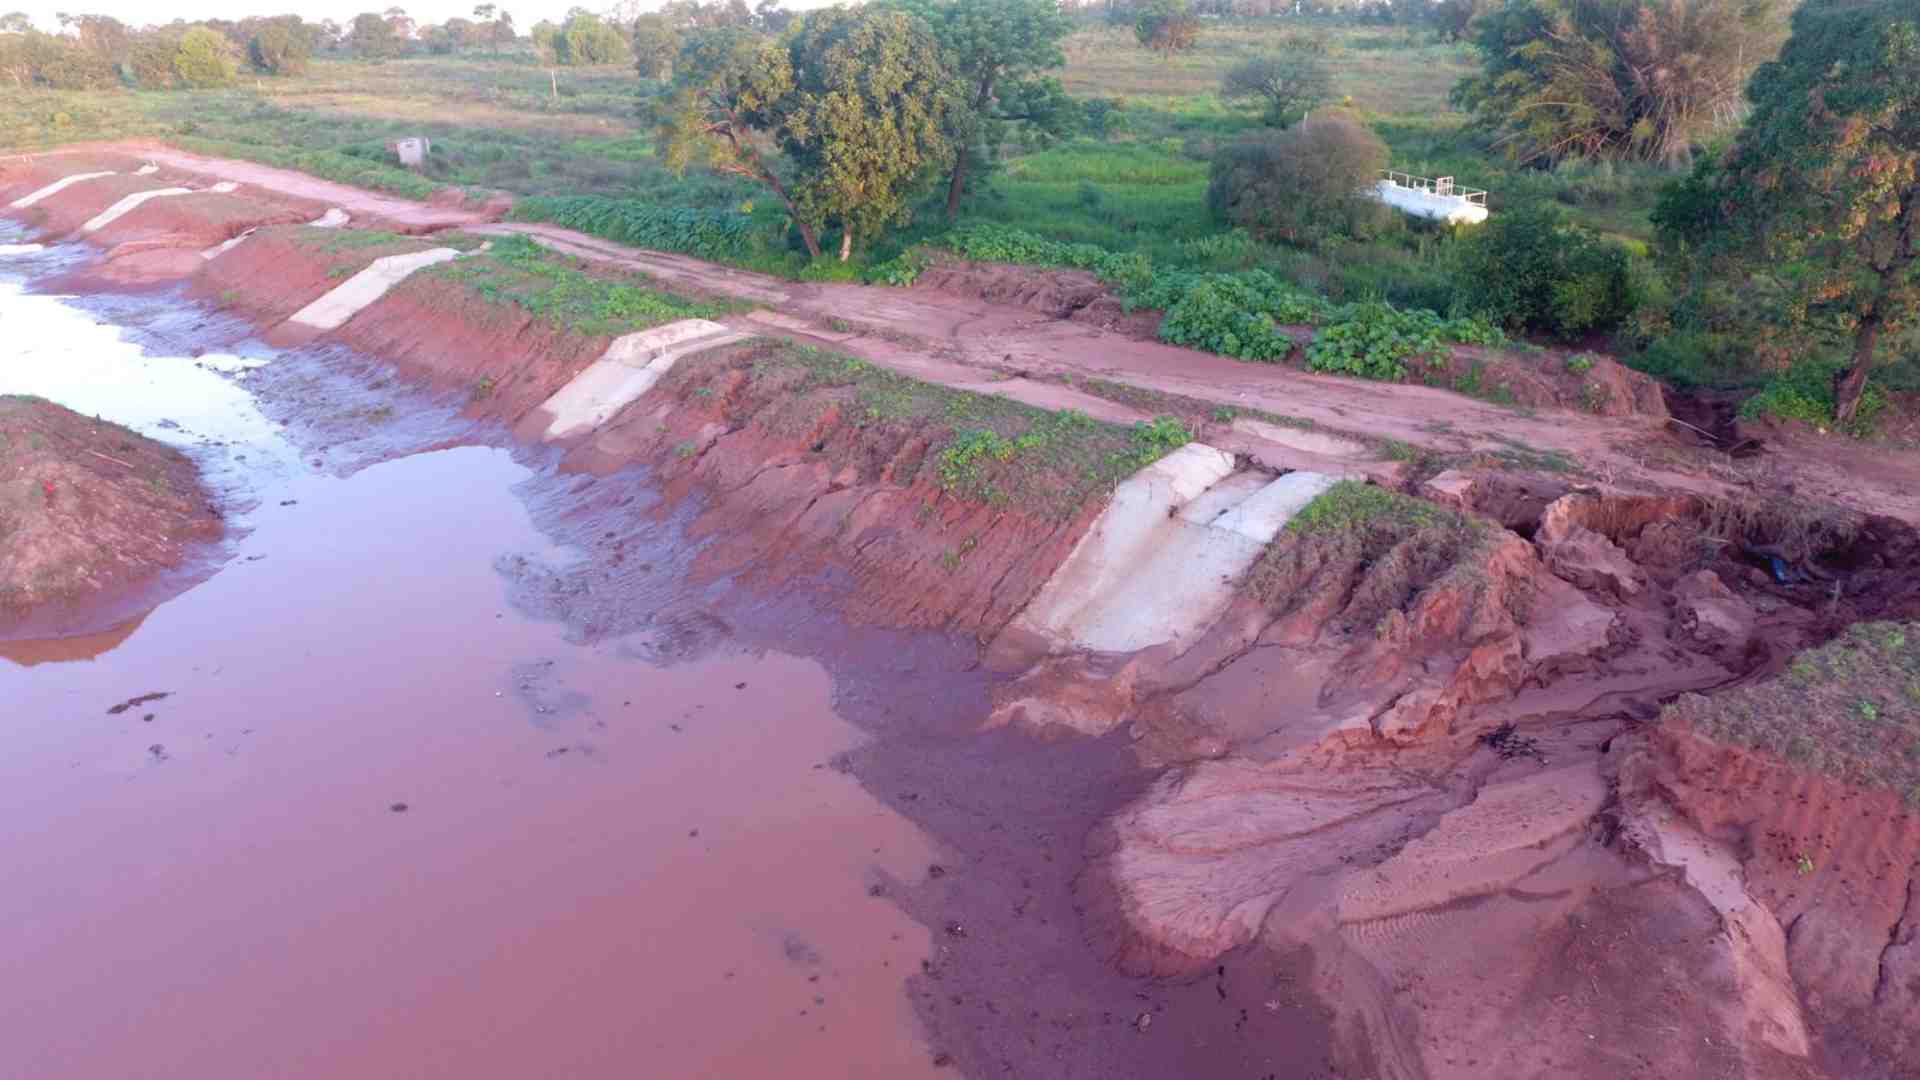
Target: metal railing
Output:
[(1443, 186)]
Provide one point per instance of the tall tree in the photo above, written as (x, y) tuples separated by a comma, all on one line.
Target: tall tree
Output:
[(859, 100), (1823, 182), (372, 36), (993, 45), (1166, 27), (1288, 84), (875, 106), (1641, 80), (655, 44)]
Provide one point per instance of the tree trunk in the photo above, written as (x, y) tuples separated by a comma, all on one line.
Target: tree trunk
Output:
[(807, 236), (1853, 382), (554, 78), (846, 242), (959, 182)]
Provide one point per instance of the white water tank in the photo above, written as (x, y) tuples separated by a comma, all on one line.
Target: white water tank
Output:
[(1435, 199)]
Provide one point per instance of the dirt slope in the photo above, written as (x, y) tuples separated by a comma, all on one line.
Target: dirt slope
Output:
[(91, 516)]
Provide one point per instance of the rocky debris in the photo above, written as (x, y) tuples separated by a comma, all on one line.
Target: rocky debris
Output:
[(1592, 562), (1452, 488), (1193, 868), (1709, 615)]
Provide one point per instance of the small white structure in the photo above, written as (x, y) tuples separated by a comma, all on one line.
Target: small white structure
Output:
[(1435, 199), (412, 151)]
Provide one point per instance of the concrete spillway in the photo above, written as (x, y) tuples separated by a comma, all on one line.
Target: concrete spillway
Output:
[(360, 291), (1163, 559), (630, 367), (55, 188), (138, 199)]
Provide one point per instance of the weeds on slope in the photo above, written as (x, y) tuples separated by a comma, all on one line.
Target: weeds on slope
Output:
[(1849, 709), (976, 447), (553, 287)]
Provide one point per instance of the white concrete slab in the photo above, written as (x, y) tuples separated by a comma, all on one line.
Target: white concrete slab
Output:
[(218, 250), (128, 205), (358, 292), (1162, 561), (56, 188), (1262, 516), (146, 170), (20, 249), (332, 219), (632, 365)]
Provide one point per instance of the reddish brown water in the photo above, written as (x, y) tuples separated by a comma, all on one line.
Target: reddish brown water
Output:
[(604, 868)]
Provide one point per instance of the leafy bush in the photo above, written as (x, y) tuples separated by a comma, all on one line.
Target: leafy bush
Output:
[(1297, 184), (205, 59), (709, 234), (1529, 268), (1804, 392), (1235, 315), (1375, 340)]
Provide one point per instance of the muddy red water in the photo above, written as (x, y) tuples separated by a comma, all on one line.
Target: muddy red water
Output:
[(383, 825)]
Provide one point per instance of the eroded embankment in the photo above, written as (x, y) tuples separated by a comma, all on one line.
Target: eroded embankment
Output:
[(93, 520), (1387, 723)]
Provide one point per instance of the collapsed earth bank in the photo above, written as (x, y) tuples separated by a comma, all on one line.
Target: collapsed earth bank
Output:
[(1405, 730)]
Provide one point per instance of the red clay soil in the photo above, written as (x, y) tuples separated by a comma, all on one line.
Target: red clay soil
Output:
[(805, 473), (1837, 865), (503, 359), (92, 516), (280, 270)]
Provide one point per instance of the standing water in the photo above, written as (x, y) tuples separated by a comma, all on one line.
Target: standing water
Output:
[(365, 819)]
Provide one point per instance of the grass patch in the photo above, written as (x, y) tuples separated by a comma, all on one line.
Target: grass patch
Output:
[(979, 447), (1351, 505), (1849, 709), (554, 288)]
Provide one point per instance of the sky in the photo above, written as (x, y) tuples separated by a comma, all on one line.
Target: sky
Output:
[(140, 12)]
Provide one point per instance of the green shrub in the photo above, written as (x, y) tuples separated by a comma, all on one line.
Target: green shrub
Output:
[(1375, 340), (205, 59), (1235, 315), (1297, 185), (1529, 268), (1804, 392), (709, 234)]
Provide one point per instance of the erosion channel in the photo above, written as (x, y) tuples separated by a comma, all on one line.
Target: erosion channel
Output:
[(711, 697)]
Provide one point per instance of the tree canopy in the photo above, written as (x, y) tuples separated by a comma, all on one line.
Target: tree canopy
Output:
[(1166, 26), (205, 59), (1638, 80), (998, 49), (1822, 185), (1287, 85), (859, 100)]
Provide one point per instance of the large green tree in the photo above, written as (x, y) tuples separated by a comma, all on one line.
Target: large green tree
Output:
[(859, 101), (1288, 84), (998, 48), (372, 36), (1823, 182), (1639, 80), (205, 59)]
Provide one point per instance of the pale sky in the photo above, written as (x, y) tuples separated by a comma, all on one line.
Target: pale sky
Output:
[(140, 12)]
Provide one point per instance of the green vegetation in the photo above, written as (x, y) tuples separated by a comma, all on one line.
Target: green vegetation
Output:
[(981, 448), (1638, 80), (1301, 185), (1817, 206), (1804, 392), (1849, 709), (557, 289), (1529, 269), (1354, 504), (720, 235)]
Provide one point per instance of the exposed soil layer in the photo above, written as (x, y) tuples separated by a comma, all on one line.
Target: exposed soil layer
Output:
[(92, 517)]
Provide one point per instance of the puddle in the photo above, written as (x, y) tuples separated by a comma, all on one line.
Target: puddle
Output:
[(384, 825)]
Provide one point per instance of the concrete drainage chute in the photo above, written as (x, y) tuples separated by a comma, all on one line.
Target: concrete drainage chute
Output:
[(630, 367), (138, 199), (1162, 561)]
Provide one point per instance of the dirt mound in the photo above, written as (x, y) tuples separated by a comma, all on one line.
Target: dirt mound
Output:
[(90, 515), (1075, 295)]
